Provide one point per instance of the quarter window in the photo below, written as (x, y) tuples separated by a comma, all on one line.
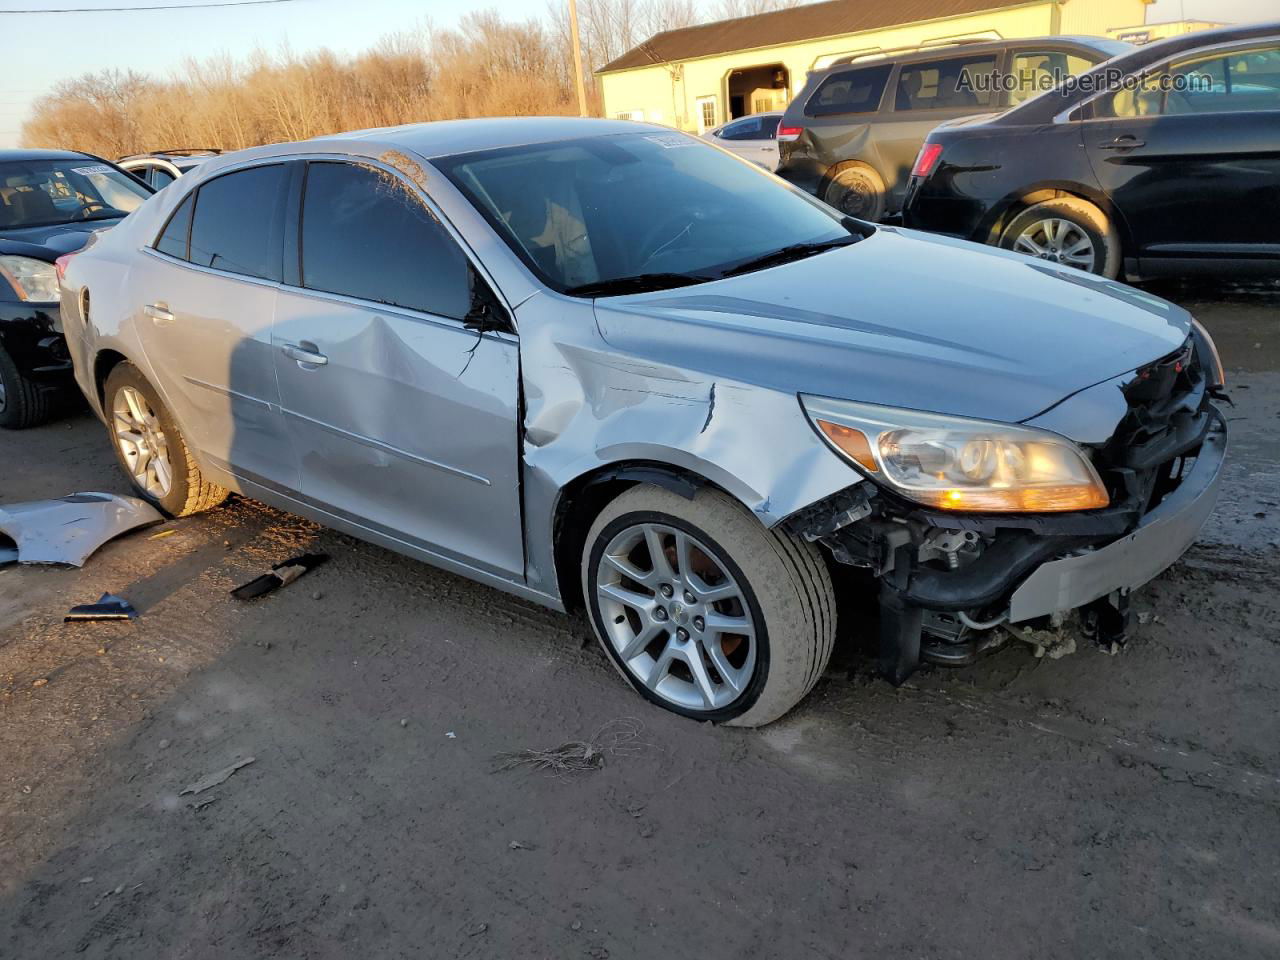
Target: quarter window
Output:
[(235, 224), (958, 82), (365, 234), (850, 91), (1038, 71), (174, 239)]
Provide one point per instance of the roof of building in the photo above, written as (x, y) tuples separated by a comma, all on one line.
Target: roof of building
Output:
[(810, 21)]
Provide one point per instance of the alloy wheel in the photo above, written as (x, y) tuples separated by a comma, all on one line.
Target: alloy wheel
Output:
[(676, 618), (1057, 240), (141, 441)]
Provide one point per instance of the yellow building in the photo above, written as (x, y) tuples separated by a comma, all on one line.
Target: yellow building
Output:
[(699, 77)]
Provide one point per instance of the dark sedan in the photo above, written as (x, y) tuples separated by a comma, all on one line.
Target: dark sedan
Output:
[(1165, 161), (51, 203)]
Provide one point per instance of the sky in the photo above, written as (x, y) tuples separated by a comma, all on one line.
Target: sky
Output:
[(41, 49)]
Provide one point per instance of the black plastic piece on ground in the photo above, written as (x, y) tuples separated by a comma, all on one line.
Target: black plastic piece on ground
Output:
[(281, 574), (109, 607), (899, 636), (1106, 620)]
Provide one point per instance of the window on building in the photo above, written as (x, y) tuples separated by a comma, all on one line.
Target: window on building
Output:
[(707, 111), (234, 222), (850, 91), (946, 84), (365, 234)]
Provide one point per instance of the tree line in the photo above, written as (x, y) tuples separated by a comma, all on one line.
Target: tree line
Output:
[(485, 66)]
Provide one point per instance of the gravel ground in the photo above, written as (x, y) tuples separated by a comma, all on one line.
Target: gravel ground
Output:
[(1098, 806)]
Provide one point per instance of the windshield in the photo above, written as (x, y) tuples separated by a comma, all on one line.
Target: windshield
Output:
[(38, 193), (658, 206)]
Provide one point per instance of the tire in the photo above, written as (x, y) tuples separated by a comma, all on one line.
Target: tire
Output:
[(779, 584), (1029, 232), (856, 191), (187, 491), (23, 402)]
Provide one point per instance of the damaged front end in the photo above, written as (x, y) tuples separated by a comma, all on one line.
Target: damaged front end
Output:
[(953, 584)]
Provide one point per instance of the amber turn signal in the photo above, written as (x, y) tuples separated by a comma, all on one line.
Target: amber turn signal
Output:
[(852, 443)]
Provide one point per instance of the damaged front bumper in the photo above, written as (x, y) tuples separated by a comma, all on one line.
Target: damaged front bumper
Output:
[(1161, 537), (947, 579)]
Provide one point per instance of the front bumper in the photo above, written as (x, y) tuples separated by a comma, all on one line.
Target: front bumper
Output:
[(31, 334), (1161, 537)]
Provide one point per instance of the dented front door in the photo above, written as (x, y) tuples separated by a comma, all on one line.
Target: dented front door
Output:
[(404, 419), (408, 426)]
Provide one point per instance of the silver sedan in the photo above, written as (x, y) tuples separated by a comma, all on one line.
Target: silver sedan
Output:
[(608, 367)]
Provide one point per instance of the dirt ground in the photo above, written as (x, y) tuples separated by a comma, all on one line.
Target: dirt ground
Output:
[(1093, 806)]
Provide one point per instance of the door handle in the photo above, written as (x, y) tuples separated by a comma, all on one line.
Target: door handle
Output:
[(1122, 143), (159, 313), (305, 353)]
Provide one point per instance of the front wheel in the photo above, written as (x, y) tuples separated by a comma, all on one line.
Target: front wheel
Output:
[(703, 610), (1069, 231), (151, 448), (23, 402)]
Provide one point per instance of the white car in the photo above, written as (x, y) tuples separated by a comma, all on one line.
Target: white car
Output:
[(754, 137)]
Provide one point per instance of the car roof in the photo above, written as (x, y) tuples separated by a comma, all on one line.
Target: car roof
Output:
[(442, 138), (40, 154), (963, 48)]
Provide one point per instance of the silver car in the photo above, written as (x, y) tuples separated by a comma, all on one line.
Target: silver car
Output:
[(754, 138), (610, 367)]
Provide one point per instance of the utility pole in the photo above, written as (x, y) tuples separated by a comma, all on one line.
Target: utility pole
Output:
[(577, 58)]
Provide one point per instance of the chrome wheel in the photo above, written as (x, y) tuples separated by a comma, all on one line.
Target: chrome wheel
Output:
[(1058, 240), (678, 621), (142, 442)]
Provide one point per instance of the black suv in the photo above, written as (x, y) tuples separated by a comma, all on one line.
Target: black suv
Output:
[(1164, 161), (51, 203), (844, 140)]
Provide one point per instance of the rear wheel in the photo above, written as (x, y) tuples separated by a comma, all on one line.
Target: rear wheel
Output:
[(1069, 231), (23, 402), (151, 448), (703, 610), (857, 191)]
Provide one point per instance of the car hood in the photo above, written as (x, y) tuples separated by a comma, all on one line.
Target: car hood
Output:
[(51, 241), (906, 319)]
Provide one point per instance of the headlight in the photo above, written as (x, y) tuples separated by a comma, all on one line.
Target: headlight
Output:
[(32, 279), (1216, 371), (954, 463)]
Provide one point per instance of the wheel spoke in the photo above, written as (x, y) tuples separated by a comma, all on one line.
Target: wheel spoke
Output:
[(635, 646), (701, 678), (718, 623), (728, 672), (628, 598), (661, 667), (683, 560), (164, 476), (135, 406), (1024, 244), (657, 553), (628, 570)]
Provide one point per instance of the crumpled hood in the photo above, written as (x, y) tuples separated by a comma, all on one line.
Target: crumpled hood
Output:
[(49, 242), (906, 319)]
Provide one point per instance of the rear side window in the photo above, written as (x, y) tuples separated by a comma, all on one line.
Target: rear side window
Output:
[(957, 82), (769, 128), (849, 91), (174, 239), (235, 224), (365, 234), (160, 178), (747, 129)]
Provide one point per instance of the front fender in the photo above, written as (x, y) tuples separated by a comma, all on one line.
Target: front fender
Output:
[(589, 405)]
